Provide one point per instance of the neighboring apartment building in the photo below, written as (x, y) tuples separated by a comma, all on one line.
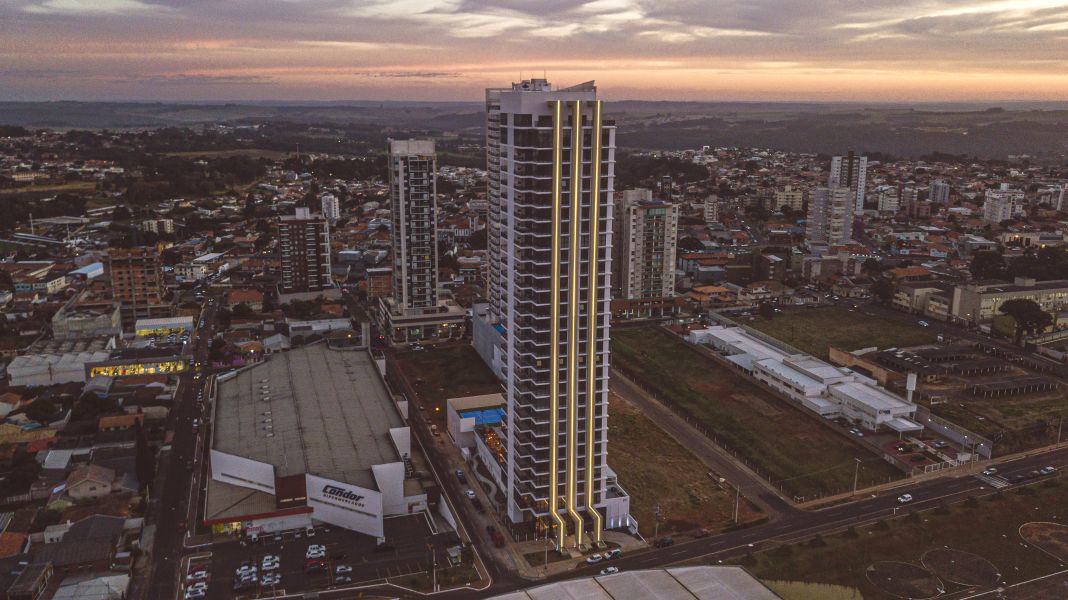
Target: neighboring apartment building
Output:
[(850, 171), (830, 216), (790, 197), (648, 243), (415, 310), (711, 209), (1002, 204), (304, 244), (137, 283), (158, 225), (939, 192), (331, 207), (550, 160)]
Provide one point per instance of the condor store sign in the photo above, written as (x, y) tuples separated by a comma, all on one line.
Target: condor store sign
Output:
[(345, 505)]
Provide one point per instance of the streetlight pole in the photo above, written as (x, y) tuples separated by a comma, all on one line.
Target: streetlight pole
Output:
[(856, 476), (737, 498)]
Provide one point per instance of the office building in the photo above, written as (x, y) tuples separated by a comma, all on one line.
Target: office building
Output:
[(415, 311), (1003, 204), (648, 240), (304, 244), (830, 216), (939, 192), (331, 207), (551, 163), (158, 225), (137, 283), (850, 171)]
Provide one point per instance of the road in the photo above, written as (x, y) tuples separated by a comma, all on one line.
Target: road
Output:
[(172, 503)]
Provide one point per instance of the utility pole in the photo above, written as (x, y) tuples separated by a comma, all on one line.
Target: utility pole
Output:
[(737, 498), (656, 522), (856, 476)]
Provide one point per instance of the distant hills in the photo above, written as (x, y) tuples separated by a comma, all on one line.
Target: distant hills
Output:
[(1036, 129)]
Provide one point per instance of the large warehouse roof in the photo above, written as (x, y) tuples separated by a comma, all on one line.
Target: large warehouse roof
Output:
[(312, 410), (684, 583)]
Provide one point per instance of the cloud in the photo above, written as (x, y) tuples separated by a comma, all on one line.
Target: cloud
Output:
[(95, 7), (413, 74), (192, 79)]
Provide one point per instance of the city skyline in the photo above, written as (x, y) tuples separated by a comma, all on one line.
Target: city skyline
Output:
[(940, 50)]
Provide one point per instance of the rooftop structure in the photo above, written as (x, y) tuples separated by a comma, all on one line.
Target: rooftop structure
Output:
[(698, 583)]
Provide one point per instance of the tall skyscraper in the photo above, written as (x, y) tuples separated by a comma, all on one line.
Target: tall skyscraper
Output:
[(830, 216), (137, 283), (415, 311), (413, 194), (304, 245), (1003, 204), (850, 171), (551, 156), (711, 209), (649, 239), (331, 207)]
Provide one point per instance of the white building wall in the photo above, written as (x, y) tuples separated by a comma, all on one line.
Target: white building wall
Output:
[(242, 472), (345, 505)]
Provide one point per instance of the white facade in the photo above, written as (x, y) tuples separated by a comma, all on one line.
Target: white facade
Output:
[(818, 386), (790, 197), (1002, 204), (331, 207), (830, 216), (939, 192)]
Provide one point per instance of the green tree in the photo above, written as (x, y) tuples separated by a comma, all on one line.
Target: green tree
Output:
[(987, 264), (244, 311), (872, 267), (883, 289), (1027, 314)]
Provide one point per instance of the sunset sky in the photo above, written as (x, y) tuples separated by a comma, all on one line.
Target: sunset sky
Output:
[(831, 50)]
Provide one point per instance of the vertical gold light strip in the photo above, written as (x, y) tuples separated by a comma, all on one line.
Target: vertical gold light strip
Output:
[(593, 366), (573, 286), (554, 328)]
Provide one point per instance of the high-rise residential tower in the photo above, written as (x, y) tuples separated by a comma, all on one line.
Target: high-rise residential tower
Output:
[(304, 246), (939, 192), (648, 241), (551, 157), (830, 216), (413, 196), (415, 311), (850, 171)]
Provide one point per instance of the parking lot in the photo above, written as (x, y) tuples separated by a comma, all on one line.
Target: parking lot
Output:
[(349, 558)]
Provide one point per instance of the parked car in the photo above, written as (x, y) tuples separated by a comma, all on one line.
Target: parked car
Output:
[(270, 563), (315, 551), (594, 559), (613, 553), (343, 579), (904, 498), (198, 575), (609, 571), (342, 569), (271, 579)]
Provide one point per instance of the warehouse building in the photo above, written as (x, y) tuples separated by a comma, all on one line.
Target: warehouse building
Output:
[(311, 435)]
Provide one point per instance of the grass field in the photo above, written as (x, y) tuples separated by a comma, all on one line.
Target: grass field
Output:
[(987, 528), (438, 374), (72, 186), (250, 152), (812, 330), (783, 444), (653, 467)]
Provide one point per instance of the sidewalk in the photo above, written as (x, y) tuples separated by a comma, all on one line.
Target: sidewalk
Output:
[(625, 542)]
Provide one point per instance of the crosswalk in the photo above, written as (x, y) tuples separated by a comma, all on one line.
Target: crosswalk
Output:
[(993, 481)]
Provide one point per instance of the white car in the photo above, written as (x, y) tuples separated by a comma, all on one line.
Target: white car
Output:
[(195, 594), (990, 471), (199, 575), (198, 586), (342, 569), (246, 570), (594, 559), (609, 571), (470, 494), (923, 323), (904, 498), (315, 551), (271, 579)]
